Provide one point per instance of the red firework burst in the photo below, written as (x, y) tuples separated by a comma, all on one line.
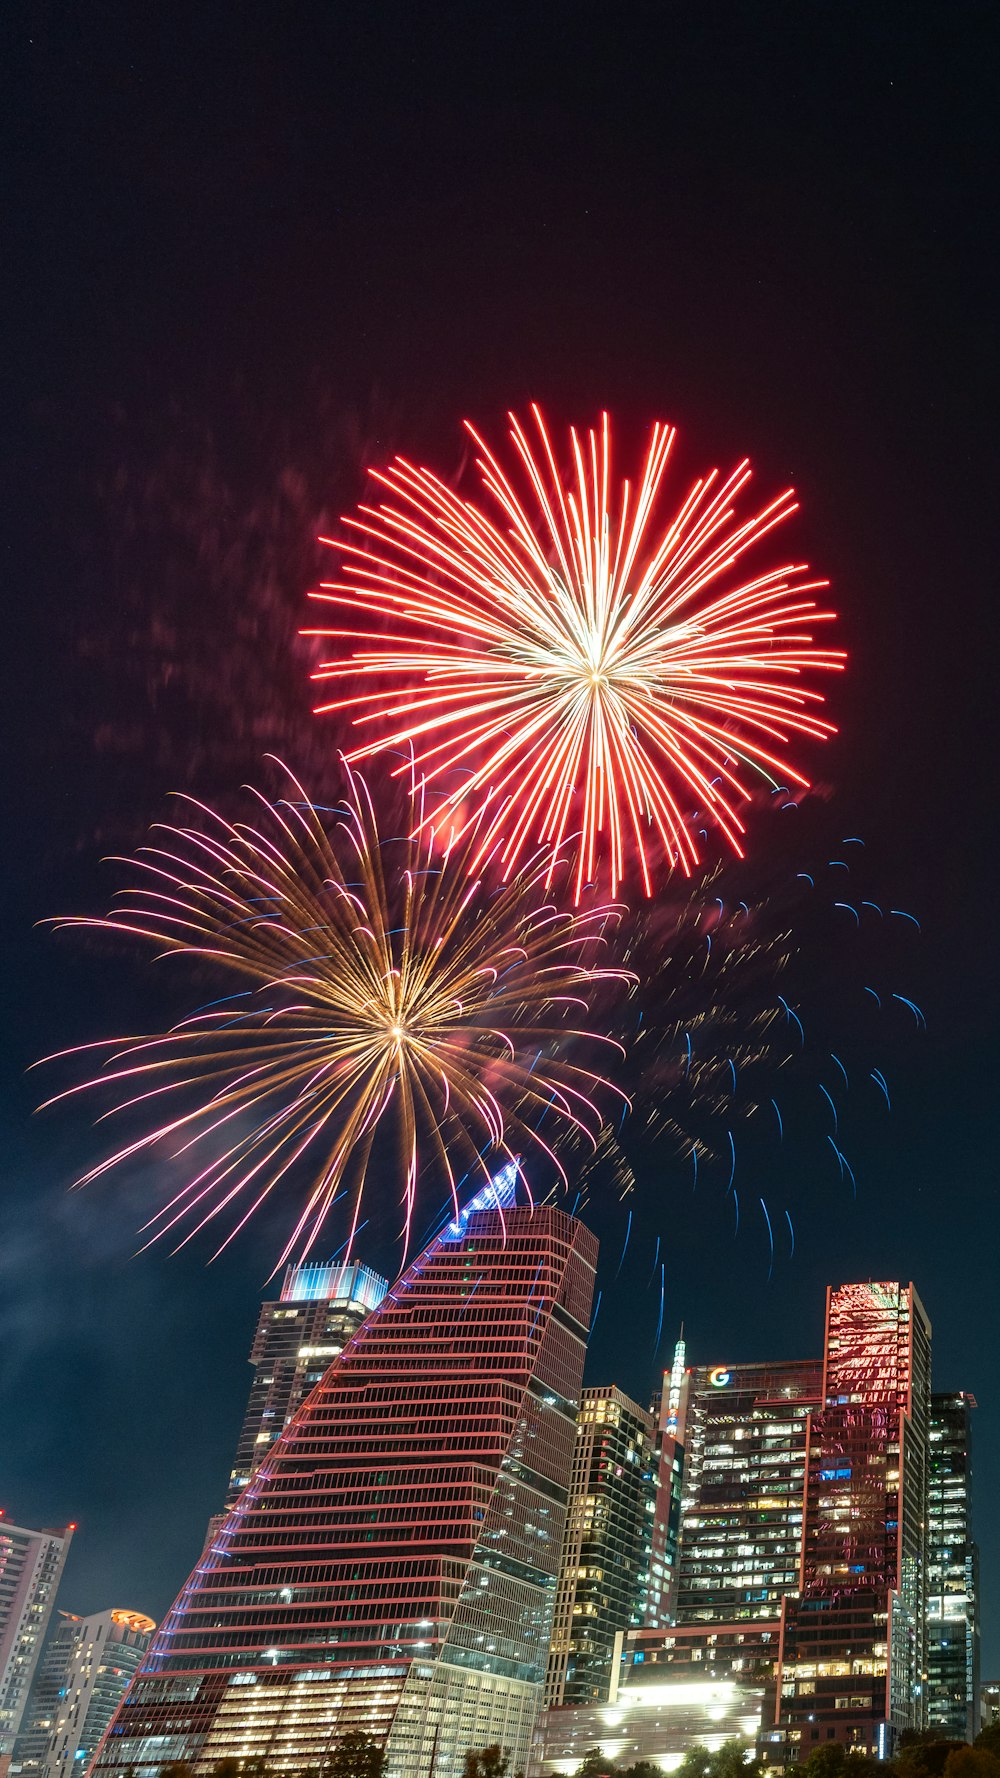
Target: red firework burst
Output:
[(577, 670)]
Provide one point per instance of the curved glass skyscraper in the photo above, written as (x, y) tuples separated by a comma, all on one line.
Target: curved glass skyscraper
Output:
[(392, 1565)]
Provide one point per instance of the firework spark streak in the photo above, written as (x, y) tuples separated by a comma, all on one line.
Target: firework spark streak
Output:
[(751, 1091), (593, 671), (378, 988)]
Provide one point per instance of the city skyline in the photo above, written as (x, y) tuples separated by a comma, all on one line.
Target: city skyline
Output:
[(722, 1588), (246, 267), (693, 1371), (824, 1585)]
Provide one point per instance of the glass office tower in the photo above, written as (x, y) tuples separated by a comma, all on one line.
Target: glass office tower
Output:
[(392, 1565), (320, 1307), (606, 1548), (853, 1653), (669, 1411), (953, 1684), (742, 1493)]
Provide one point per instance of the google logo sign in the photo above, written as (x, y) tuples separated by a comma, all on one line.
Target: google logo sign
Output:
[(720, 1376)]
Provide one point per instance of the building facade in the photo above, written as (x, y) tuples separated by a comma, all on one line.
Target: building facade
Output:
[(669, 1411), (825, 1570), (853, 1665), (31, 1565), (83, 1675), (953, 1683), (604, 1570), (392, 1565), (743, 1490), (649, 1719), (693, 1686), (730, 1445), (297, 1338)]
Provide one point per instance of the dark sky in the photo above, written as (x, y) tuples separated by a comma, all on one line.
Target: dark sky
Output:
[(250, 249)]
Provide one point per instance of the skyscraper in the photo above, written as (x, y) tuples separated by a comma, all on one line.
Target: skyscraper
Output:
[(392, 1565), (82, 1677), (320, 1307), (31, 1565), (952, 1572), (825, 1560), (731, 1445), (669, 1410), (853, 1652), (604, 1569), (745, 1439)]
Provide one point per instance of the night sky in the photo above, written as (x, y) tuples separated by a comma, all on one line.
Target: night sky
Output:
[(250, 250)]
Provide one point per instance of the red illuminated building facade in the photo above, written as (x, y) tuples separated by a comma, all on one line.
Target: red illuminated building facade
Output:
[(852, 1664), (392, 1565)]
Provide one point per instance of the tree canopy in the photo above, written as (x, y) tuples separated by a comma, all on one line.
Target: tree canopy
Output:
[(355, 1756), (734, 1759), (488, 1762)]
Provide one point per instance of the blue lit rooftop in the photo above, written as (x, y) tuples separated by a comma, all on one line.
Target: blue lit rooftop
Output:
[(332, 1282)]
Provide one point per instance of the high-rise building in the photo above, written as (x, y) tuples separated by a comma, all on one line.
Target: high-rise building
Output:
[(740, 1651), (31, 1565), (731, 1444), (745, 1440), (82, 1677), (392, 1565), (853, 1651), (319, 1308), (825, 1561), (604, 1569), (989, 1702), (669, 1411), (952, 1572)]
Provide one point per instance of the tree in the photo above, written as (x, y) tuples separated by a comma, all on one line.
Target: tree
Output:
[(355, 1756), (487, 1762), (924, 1753), (971, 1762), (697, 1763), (834, 1760), (595, 1765), (732, 1760), (988, 1738), (644, 1768)]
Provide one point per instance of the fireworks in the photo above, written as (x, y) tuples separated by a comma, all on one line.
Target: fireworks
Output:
[(756, 1039), (587, 677), (374, 991)]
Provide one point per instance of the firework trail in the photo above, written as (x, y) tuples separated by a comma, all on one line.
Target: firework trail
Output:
[(375, 990), (754, 1038), (569, 666)]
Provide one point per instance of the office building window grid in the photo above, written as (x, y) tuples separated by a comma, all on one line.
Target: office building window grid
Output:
[(392, 1565), (953, 1683)]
